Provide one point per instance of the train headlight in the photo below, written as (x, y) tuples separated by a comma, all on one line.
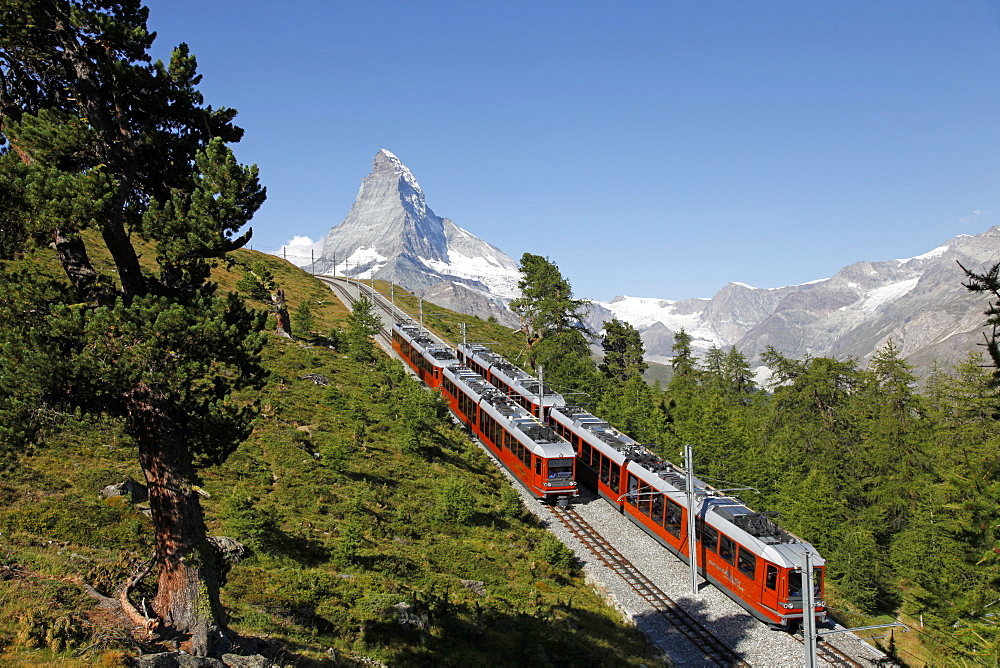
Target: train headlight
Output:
[(787, 606)]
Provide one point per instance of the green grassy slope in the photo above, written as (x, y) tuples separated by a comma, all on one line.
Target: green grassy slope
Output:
[(355, 497)]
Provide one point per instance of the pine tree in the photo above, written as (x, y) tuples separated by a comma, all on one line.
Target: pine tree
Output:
[(623, 352), (362, 324), (556, 337), (100, 143)]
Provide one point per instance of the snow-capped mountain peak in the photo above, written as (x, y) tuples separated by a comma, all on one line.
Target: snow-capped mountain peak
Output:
[(391, 233)]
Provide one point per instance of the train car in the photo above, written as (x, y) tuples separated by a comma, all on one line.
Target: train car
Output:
[(524, 388), (541, 461), (743, 553), (532, 452), (424, 353)]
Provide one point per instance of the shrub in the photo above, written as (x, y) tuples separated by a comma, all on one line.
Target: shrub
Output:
[(244, 518), (454, 503), (552, 552)]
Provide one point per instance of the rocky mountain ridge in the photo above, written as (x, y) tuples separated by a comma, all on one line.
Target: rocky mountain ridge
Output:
[(390, 233), (918, 302)]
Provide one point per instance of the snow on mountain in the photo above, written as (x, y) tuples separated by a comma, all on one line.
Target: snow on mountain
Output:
[(919, 302), (390, 233)]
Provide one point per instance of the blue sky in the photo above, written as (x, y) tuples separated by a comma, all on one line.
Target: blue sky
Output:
[(657, 149)]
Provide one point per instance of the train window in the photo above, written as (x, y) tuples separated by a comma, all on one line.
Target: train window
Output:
[(645, 499), (747, 563), (710, 538), (560, 469), (615, 477), (771, 577), (727, 549), (538, 466), (673, 517), (795, 583), (605, 468), (658, 506), (587, 454)]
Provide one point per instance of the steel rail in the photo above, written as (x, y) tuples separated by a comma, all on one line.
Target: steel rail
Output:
[(831, 654), (703, 639)]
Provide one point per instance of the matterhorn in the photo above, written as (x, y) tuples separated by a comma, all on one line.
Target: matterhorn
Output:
[(390, 233)]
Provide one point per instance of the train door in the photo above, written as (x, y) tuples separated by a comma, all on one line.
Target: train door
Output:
[(769, 592)]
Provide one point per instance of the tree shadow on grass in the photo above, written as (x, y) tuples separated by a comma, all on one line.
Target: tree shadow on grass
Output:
[(300, 549)]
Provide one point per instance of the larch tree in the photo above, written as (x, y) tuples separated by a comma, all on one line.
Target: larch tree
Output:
[(103, 150), (988, 282)]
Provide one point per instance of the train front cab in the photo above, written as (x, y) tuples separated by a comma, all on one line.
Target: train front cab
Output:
[(555, 473), (413, 354), (770, 591), (764, 581)]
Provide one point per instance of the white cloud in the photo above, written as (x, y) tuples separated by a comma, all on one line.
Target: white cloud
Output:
[(971, 218), (299, 241)]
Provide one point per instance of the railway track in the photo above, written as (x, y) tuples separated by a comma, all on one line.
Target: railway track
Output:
[(832, 655), (713, 648)]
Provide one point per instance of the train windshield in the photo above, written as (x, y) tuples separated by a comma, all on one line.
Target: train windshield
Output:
[(561, 469), (795, 583)]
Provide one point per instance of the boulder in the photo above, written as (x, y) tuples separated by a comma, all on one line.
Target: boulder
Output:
[(127, 487)]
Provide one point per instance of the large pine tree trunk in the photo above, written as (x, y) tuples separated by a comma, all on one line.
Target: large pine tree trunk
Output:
[(187, 598)]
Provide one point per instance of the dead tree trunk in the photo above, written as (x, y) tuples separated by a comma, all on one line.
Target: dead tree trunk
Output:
[(283, 322)]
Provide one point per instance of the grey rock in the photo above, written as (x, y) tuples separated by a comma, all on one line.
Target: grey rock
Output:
[(475, 586), (408, 616), (128, 487), (255, 661), (316, 379), (231, 550), (176, 660)]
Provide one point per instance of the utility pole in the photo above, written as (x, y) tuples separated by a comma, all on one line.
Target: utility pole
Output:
[(808, 610), (421, 313), (465, 343), (284, 254), (541, 396), (392, 297), (312, 254), (691, 500)]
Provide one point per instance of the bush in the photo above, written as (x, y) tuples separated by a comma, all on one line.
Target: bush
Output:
[(552, 552), (244, 518), (347, 549), (454, 503)]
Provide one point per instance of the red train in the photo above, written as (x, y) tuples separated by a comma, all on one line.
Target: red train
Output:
[(532, 452), (743, 553)]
